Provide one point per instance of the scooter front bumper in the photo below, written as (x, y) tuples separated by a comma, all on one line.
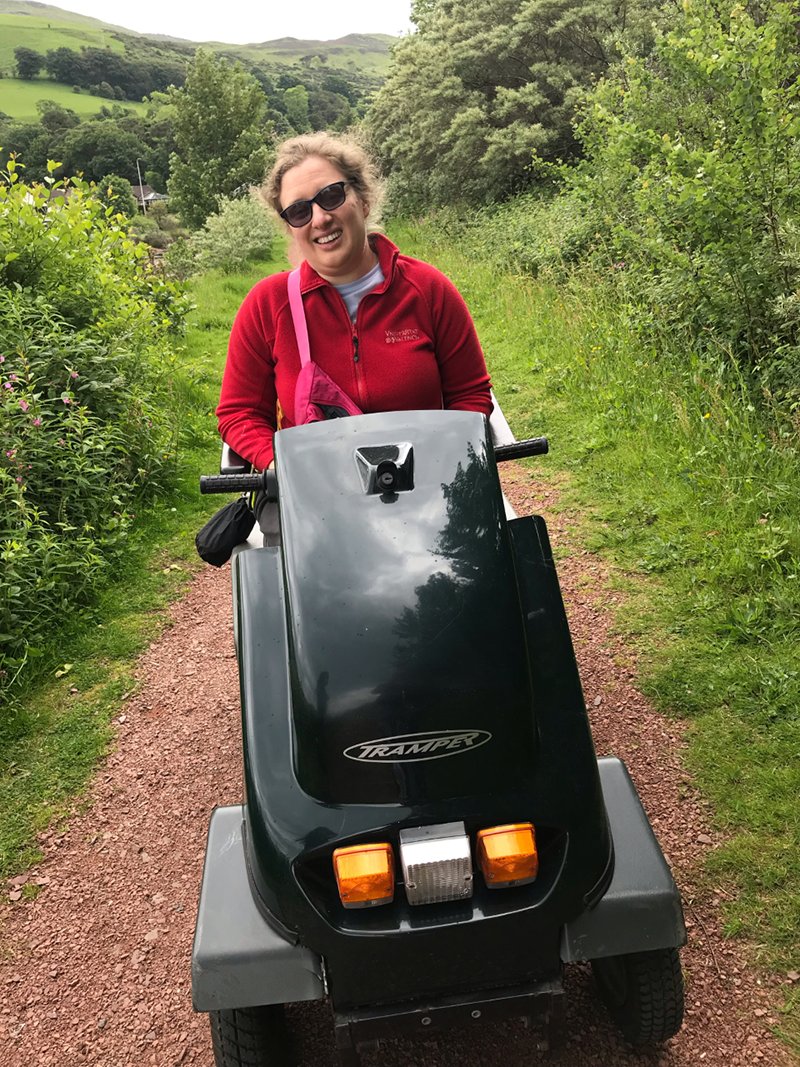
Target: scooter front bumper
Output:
[(239, 960)]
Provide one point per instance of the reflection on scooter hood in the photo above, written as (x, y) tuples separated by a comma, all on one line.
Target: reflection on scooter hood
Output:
[(409, 671)]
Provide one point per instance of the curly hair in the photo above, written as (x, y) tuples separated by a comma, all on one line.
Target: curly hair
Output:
[(346, 155)]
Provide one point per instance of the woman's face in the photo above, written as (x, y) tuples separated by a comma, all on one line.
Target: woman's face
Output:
[(333, 242)]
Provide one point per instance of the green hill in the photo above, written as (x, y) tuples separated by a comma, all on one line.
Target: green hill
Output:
[(40, 34), (42, 26), (33, 9), (18, 99), (365, 52)]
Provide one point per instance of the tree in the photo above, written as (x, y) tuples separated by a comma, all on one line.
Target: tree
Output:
[(220, 146), (30, 142), (296, 100), (54, 117), (66, 66), (116, 193), (482, 85), (29, 62), (327, 110), (96, 149)]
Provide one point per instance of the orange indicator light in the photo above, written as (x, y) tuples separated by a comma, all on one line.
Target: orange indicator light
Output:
[(365, 875), (507, 855)]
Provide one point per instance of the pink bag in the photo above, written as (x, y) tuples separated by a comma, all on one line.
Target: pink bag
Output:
[(316, 397)]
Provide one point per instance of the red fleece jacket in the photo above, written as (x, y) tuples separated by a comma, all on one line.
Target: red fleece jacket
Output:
[(413, 345)]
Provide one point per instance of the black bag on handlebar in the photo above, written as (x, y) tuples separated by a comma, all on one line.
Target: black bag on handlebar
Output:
[(224, 531)]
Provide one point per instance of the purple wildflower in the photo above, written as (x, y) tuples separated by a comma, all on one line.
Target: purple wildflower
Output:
[(24, 405), (74, 374), (66, 399), (8, 385), (37, 421)]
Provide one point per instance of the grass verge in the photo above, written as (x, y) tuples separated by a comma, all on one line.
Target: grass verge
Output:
[(54, 737), (690, 486)]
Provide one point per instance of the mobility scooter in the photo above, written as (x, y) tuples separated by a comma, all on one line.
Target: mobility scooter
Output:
[(421, 790)]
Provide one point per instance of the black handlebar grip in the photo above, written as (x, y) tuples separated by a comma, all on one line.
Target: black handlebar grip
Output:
[(241, 483), (532, 446)]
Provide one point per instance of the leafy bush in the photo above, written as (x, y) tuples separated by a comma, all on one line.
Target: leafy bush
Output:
[(116, 193), (157, 239), (241, 229), (179, 260), (692, 165), (143, 224), (87, 429)]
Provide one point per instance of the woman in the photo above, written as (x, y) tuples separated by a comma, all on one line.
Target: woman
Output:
[(390, 331)]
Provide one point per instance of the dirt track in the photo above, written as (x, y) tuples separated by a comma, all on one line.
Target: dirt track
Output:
[(96, 969)]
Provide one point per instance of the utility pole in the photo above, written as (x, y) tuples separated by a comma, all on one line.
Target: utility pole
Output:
[(141, 187)]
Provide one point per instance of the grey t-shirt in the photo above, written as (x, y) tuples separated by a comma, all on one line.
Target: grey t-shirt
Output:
[(352, 292)]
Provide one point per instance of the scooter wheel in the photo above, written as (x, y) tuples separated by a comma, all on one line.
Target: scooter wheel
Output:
[(643, 992), (251, 1037)]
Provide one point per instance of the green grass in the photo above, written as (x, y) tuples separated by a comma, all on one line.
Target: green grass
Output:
[(694, 494), (56, 737), (42, 34), (18, 99)]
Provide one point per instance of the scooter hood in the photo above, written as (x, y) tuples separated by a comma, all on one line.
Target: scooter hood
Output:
[(409, 673)]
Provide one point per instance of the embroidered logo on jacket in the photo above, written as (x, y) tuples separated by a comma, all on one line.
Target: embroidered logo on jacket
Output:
[(393, 336)]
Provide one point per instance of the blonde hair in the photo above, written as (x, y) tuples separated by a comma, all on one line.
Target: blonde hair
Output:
[(349, 158)]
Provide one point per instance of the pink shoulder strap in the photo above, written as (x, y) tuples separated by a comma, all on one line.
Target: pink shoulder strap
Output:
[(299, 317)]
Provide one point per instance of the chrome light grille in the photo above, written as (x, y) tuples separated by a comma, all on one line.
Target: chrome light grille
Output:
[(437, 863)]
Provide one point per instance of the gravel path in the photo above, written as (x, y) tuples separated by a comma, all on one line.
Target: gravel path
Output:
[(95, 970)]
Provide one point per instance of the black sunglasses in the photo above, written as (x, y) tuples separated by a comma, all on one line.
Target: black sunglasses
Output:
[(301, 211)]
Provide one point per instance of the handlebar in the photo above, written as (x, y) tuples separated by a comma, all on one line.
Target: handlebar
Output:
[(532, 446), (268, 482), (241, 483)]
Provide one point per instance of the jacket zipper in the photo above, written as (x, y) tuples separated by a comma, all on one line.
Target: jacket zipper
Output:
[(357, 363)]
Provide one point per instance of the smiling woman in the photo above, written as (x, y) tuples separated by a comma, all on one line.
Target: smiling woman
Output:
[(328, 220), (390, 332)]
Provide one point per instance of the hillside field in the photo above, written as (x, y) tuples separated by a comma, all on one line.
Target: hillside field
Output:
[(41, 34), (365, 52), (18, 99), (54, 28)]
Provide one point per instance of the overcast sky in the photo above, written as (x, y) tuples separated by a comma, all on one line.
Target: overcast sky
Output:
[(245, 22)]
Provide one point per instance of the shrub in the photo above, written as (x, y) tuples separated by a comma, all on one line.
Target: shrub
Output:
[(157, 239), (86, 430), (692, 162), (240, 229), (158, 212), (116, 193), (179, 260)]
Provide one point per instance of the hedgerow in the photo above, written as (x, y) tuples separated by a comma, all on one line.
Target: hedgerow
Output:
[(87, 433)]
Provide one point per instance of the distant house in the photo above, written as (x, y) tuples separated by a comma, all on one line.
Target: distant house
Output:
[(145, 195)]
